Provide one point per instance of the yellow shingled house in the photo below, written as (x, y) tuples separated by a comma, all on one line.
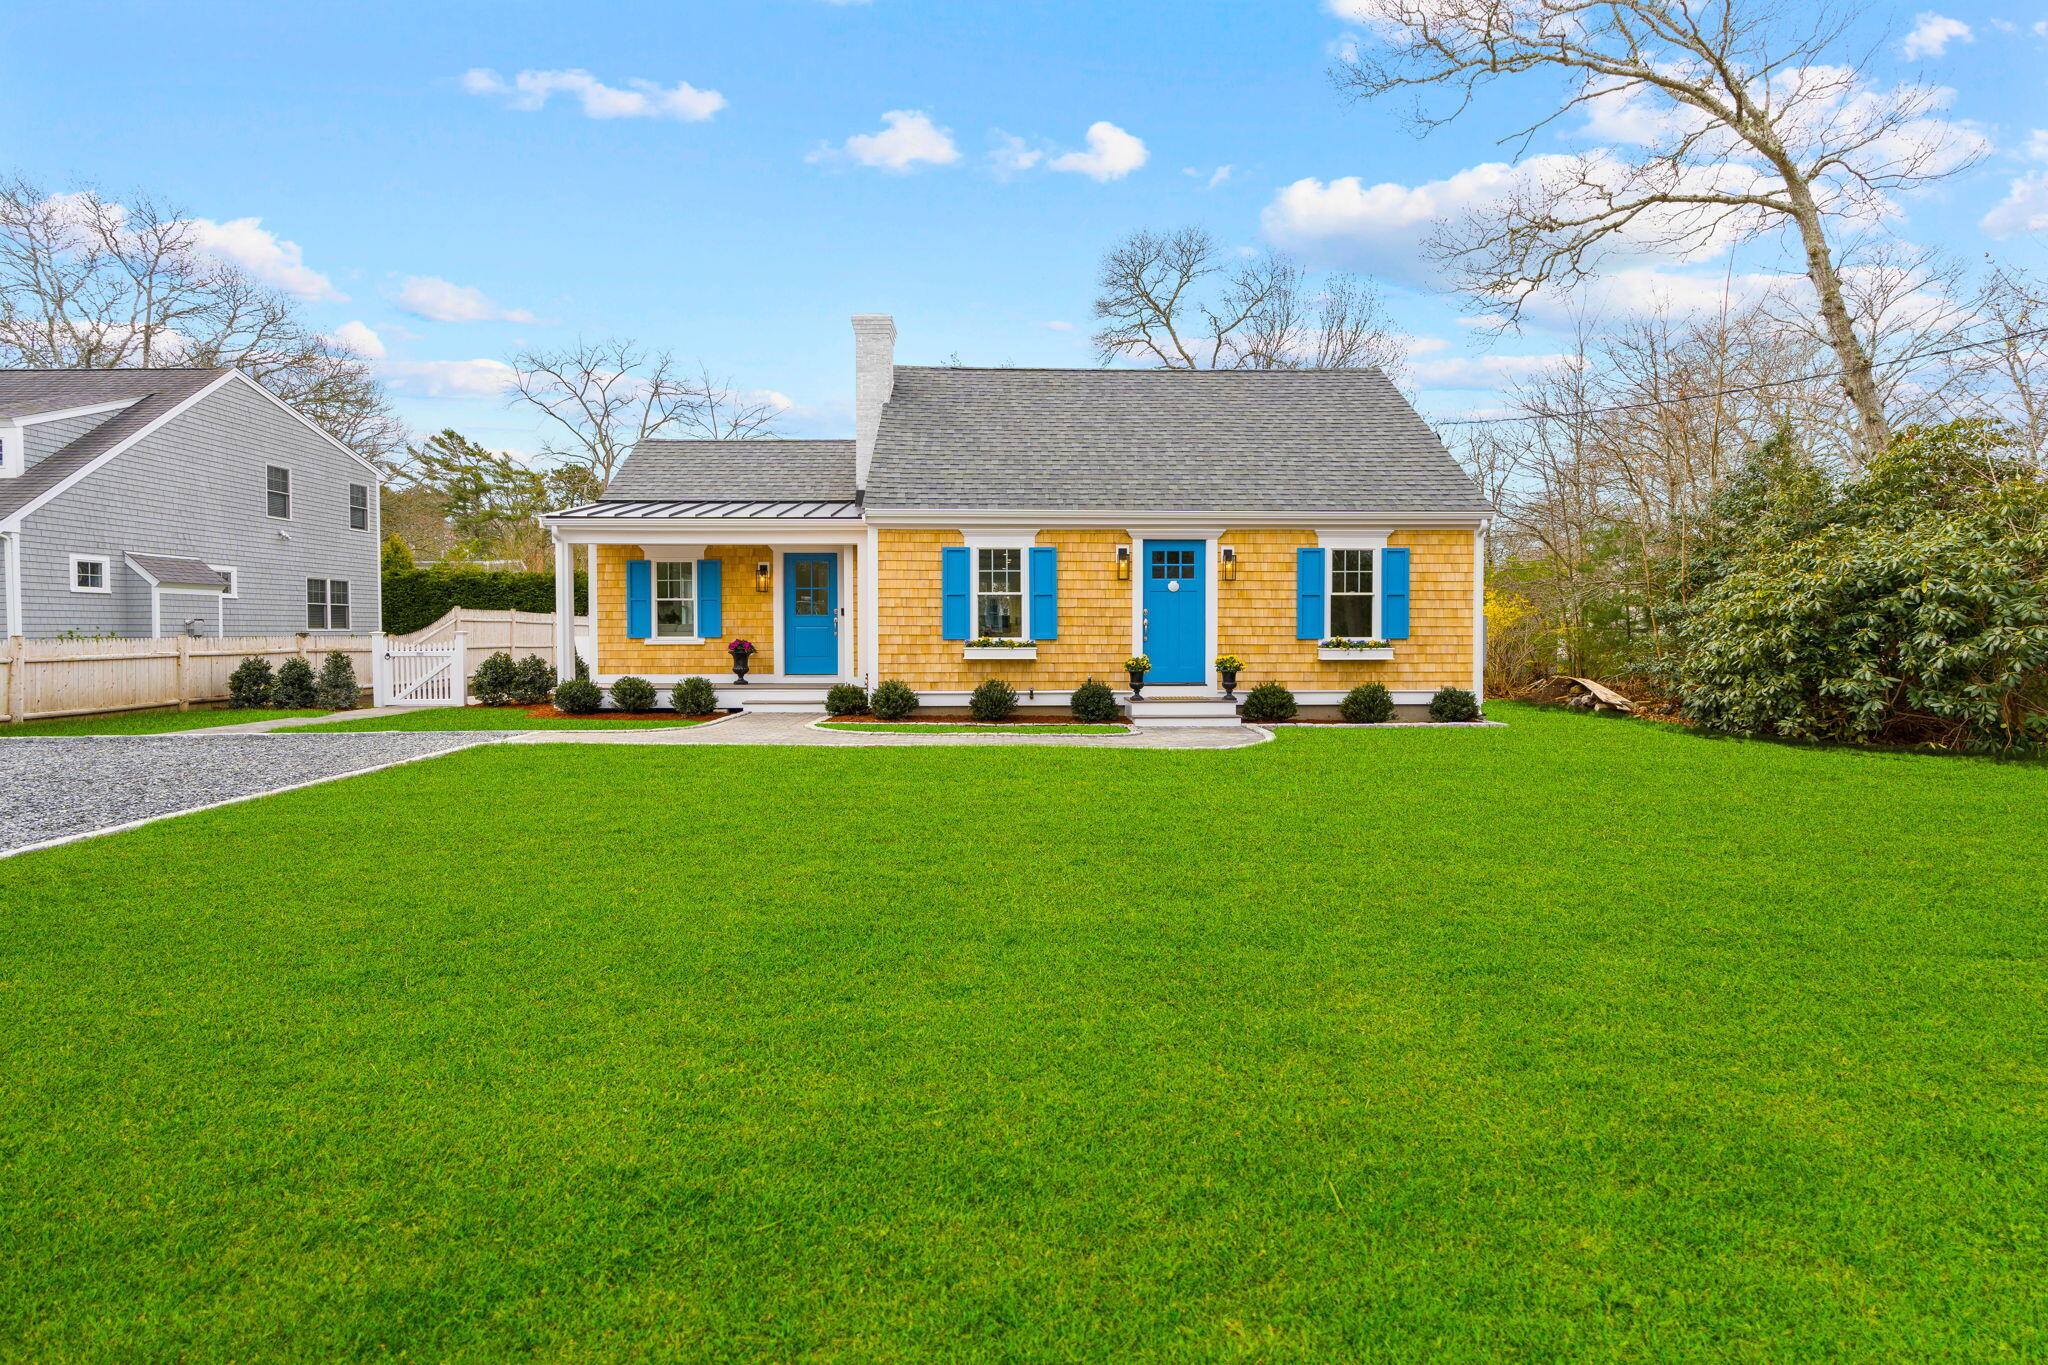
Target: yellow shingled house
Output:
[(1042, 526)]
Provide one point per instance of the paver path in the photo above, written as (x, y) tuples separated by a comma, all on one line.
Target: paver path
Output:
[(755, 728), (60, 787)]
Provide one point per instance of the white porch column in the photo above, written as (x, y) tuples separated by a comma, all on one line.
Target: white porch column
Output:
[(869, 632), (565, 609)]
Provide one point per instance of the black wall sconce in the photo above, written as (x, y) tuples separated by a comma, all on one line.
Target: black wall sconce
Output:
[(761, 576), (1123, 562), (1229, 564)]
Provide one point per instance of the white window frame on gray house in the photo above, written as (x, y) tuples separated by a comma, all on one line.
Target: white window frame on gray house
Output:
[(327, 604), (271, 492), (106, 566), (359, 506), (234, 576)]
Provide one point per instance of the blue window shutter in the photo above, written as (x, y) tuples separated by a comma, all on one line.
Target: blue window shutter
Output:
[(1394, 594), (953, 612), (1308, 594), (639, 599), (1045, 592), (710, 599)]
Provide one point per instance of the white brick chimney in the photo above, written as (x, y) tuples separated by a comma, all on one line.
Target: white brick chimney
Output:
[(874, 379)]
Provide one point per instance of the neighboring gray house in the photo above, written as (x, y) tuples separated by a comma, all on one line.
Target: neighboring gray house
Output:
[(176, 501)]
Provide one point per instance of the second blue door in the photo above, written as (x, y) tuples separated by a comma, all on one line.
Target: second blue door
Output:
[(810, 617), (1176, 611)]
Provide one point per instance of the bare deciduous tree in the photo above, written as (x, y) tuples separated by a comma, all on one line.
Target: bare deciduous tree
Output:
[(87, 282), (1739, 117), (1179, 300), (603, 396)]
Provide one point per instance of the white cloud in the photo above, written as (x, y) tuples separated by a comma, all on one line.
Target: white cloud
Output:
[(360, 338), (1013, 154), (1057, 326), (267, 258), (437, 300), (449, 378), (2024, 208), (2037, 144), (1931, 35), (1484, 371), (1112, 154), (636, 99), (909, 139), (1210, 179), (1383, 226)]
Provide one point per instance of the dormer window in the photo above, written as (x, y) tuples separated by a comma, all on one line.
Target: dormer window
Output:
[(11, 448)]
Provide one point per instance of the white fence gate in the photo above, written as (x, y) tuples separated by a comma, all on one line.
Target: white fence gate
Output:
[(421, 675)]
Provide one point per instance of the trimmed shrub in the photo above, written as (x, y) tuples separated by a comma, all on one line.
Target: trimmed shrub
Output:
[(1453, 703), (582, 667), (293, 690), (633, 694), (994, 700), (892, 700), (1367, 704), (1094, 704), (533, 681), (251, 684), (492, 682), (416, 598), (1269, 701), (337, 687), (579, 697), (694, 697), (846, 699)]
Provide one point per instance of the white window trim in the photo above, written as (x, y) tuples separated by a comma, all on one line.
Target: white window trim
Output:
[(106, 564), (981, 538), (291, 492), (653, 603), (369, 512), (234, 574), (331, 629), (1330, 592)]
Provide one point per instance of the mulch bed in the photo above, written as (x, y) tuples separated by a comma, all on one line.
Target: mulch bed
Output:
[(549, 711)]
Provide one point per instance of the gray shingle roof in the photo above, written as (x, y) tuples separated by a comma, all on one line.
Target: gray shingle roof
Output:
[(735, 471), (180, 571), (617, 508), (1160, 440), (26, 392)]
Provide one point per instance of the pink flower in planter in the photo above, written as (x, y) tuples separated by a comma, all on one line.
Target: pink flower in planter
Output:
[(740, 649)]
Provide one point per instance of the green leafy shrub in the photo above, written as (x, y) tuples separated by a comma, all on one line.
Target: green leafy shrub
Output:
[(633, 694), (492, 682), (1094, 704), (1453, 704), (338, 689), (533, 681), (694, 697), (994, 700), (892, 699), (846, 699), (416, 598), (1367, 704), (293, 690), (1269, 701), (251, 684), (579, 697)]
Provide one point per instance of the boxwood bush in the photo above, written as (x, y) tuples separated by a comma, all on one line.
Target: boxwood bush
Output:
[(579, 697), (1269, 701), (1367, 704), (1094, 704), (633, 694), (892, 699), (846, 699), (338, 688), (994, 700), (694, 697), (251, 684), (1453, 703), (294, 690), (491, 684), (533, 681)]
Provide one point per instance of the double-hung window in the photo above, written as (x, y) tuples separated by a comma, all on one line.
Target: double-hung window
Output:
[(359, 507), (278, 486), (327, 604), (999, 594), (675, 599), (1351, 593)]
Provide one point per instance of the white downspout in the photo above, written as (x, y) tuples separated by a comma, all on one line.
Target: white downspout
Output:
[(10, 564)]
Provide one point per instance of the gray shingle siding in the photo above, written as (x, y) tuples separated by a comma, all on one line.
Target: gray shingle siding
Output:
[(45, 439), (195, 488)]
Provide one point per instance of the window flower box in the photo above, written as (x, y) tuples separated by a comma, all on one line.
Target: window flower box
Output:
[(1002, 649), (1345, 651)]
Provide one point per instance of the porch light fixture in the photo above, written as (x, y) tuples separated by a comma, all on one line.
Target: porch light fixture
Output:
[(1229, 564), (1123, 562), (761, 576)]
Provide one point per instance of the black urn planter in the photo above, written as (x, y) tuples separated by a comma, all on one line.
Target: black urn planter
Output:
[(739, 670), (1229, 676), (1137, 685)]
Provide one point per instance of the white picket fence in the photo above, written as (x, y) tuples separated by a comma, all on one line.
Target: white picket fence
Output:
[(421, 675), (45, 679)]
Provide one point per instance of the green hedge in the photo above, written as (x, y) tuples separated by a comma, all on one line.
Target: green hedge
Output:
[(416, 598)]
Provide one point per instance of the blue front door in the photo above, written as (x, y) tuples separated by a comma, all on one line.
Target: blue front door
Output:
[(810, 615), (1175, 611)]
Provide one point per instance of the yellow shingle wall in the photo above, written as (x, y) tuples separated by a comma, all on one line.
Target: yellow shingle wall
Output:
[(1255, 615), (748, 614)]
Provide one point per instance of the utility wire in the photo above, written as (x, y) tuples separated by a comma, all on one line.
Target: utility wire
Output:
[(1744, 388)]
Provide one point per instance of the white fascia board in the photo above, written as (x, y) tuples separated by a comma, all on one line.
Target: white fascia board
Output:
[(703, 531), (1076, 518), (29, 419), (308, 423), (71, 480)]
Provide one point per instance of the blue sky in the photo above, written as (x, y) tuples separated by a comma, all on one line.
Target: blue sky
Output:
[(721, 212)]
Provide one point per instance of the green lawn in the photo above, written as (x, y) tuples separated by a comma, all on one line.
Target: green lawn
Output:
[(1582, 1039), (937, 728), (503, 718), (143, 722)]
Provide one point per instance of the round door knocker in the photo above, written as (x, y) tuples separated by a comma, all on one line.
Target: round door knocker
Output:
[(1173, 586)]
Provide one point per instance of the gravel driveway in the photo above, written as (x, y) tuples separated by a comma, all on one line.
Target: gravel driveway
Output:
[(53, 787)]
